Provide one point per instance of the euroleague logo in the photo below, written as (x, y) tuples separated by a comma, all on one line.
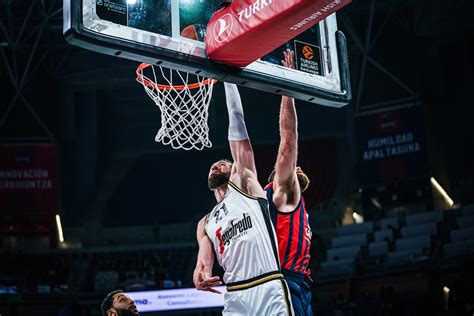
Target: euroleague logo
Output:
[(308, 52), (223, 28)]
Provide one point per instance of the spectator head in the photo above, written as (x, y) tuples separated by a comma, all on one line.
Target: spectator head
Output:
[(117, 303)]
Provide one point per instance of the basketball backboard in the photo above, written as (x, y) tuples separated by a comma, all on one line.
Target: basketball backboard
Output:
[(150, 31)]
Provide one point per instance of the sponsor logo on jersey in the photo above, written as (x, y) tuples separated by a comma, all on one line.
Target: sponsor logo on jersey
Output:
[(257, 6), (220, 213), (223, 28), (235, 231)]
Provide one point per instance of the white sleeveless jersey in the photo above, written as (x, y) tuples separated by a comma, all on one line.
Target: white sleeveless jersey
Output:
[(244, 240)]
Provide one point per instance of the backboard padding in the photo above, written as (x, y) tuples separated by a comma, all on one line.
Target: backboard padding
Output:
[(141, 36)]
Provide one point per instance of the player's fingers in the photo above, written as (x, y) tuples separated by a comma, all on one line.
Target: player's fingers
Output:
[(212, 280), (288, 62), (200, 288), (291, 61), (213, 283), (207, 285), (201, 277), (214, 291)]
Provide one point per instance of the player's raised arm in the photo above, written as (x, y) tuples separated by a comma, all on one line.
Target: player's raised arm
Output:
[(286, 187), (202, 276), (244, 173)]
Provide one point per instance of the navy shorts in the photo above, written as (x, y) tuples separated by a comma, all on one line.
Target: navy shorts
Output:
[(300, 295)]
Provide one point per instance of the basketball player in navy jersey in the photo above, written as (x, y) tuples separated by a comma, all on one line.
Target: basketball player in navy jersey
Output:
[(238, 231), (288, 213)]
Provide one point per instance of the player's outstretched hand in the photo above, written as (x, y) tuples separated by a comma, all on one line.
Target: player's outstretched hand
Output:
[(289, 56), (203, 279)]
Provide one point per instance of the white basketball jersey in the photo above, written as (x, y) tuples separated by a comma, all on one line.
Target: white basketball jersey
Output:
[(243, 237)]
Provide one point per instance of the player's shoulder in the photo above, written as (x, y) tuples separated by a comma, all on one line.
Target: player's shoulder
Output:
[(204, 220)]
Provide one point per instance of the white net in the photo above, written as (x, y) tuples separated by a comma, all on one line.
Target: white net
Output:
[(184, 107)]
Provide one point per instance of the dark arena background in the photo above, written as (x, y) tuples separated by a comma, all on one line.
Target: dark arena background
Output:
[(90, 203)]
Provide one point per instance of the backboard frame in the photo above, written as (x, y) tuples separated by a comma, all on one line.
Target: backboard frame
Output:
[(83, 28)]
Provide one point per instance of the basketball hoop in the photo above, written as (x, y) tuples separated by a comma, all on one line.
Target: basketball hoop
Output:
[(184, 106)]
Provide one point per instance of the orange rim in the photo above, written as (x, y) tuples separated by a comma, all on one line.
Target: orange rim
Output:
[(169, 87)]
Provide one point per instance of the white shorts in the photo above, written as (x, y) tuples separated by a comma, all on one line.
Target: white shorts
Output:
[(270, 298)]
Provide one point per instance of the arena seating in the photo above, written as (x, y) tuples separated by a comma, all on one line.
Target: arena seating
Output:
[(428, 229), (355, 229), (461, 237), (458, 248), (98, 270), (391, 223), (349, 252), (462, 234), (417, 242), (340, 267), (346, 248), (382, 235), (426, 217), (465, 221), (372, 247), (378, 249), (394, 241), (399, 257), (468, 209), (349, 240)]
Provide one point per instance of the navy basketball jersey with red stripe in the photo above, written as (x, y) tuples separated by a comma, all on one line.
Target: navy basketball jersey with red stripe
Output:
[(293, 234)]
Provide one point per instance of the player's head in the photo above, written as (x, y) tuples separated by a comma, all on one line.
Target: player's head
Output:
[(117, 303), (302, 178), (219, 173)]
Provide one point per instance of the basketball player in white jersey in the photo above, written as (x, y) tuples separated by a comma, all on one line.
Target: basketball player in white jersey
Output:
[(238, 231)]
